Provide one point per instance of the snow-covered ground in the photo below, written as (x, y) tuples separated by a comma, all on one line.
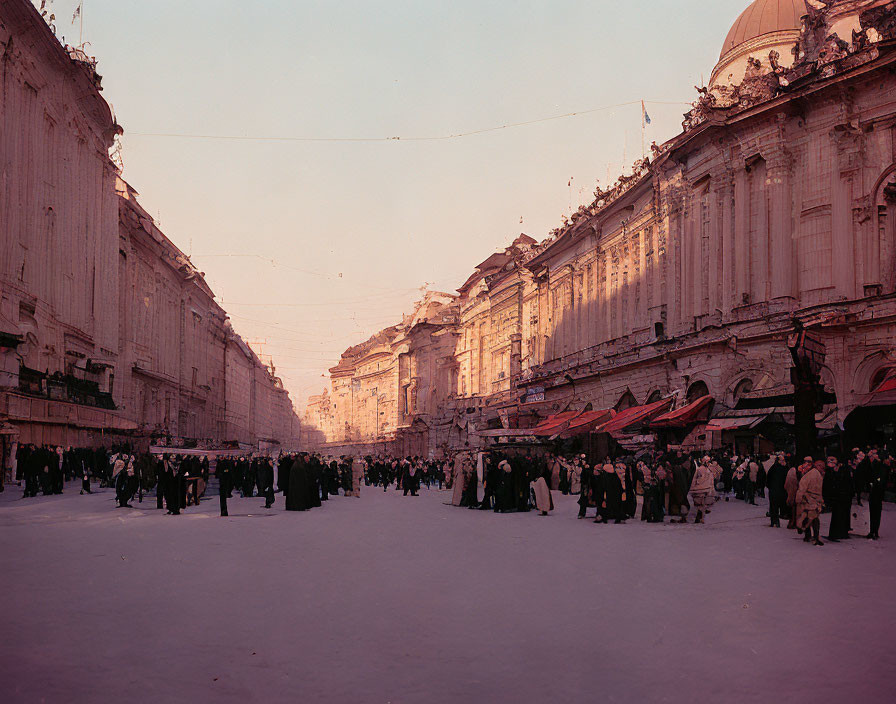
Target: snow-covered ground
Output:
[(394, 599)]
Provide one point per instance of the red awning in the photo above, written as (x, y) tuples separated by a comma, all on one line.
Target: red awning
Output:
[(635, 415), (885, 392), (586, 422), (694, 412), (554, 424)]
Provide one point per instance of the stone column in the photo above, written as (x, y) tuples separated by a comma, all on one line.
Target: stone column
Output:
[(724, 228), (886, 232), (759, 230), (741, 249), (780, 236)]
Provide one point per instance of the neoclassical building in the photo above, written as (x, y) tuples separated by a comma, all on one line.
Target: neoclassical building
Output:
[(108, 333), (771, 210)]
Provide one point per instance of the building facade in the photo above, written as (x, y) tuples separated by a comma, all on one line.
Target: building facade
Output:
[(107, 331), (771, 211)]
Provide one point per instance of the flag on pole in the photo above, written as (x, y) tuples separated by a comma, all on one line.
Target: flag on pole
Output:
[(646, 117), (77, 13)]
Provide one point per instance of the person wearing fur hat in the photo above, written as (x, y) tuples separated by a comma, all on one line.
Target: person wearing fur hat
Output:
[(810, 501), (702, 488)]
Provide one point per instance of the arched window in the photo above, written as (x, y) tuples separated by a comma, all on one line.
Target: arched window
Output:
[(627, 401), (697, 390)]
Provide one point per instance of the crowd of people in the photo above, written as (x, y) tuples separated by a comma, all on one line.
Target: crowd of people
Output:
[(656, 484), (675, 483)]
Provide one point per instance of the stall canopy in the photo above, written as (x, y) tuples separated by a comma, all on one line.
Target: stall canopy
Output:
[(695, 412), (585, 422), (635, 415)]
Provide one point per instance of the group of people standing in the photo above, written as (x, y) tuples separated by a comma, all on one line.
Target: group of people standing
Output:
[(674, 483)]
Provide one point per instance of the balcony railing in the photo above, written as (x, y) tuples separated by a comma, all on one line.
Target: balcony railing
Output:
[(64, 387)]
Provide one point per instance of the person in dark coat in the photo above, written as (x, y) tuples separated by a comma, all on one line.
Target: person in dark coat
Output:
[(521, 483), (678, 489), (161, 481), (614, 487), (599, 493), (777, 495), (85, 474), (172, 490), (313, 481), (469, 498), (323, 480), (248, 478), (222, 472), (266, 465), (587, 495), (283, 465), (878, 478), (491, 478), (839, 498), (297, 487)]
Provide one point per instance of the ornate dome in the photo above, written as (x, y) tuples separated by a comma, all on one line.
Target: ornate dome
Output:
[(765, 17), (764, 26)]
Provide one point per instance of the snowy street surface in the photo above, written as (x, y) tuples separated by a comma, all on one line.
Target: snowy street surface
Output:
[(394, 599)]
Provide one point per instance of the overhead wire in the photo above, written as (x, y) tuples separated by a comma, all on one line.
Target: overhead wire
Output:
[(434, 138)]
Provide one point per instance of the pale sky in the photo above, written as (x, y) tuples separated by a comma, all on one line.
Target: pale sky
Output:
[(335, 237)]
